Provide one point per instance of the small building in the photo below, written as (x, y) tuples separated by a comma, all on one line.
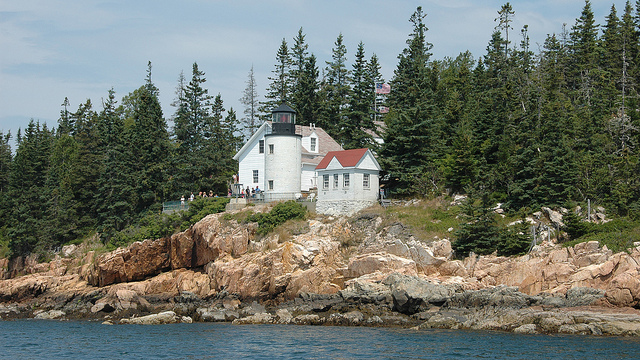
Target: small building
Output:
[(348, 182)]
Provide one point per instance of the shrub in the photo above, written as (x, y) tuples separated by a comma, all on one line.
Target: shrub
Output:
[(574, 226), (483, 235), (201, 207), (278, 215), (514, 240), (158, 225), (618, 234), (480, 234)]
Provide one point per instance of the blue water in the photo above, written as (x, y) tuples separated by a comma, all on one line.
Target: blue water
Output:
[(33, 339)]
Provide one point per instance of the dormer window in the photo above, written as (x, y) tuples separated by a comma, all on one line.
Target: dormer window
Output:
[(313, 144)]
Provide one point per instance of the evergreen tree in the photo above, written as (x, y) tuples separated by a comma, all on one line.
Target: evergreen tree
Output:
[(279, 90), (116, 197), (250, 121), (65, 123), (360, 116), (193, 125), (413, 139), (410, 85), (480, 234), (6, 160), (505, 17), (299, 57), (28, 192), (88, 167), (150, 144), (335, 91), (380, 104), (307, 98)]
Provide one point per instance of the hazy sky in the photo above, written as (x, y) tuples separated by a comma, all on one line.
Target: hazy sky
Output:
[(52, 49)]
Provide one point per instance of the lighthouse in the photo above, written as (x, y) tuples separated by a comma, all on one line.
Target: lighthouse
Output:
[(283, 156)]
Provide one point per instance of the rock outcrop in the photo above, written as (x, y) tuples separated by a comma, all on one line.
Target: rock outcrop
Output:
[(342, 271)]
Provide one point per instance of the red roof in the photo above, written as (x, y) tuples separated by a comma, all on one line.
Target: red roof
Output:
[(347, 158)]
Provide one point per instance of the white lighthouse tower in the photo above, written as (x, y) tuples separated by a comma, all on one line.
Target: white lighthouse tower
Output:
[(283, 158)]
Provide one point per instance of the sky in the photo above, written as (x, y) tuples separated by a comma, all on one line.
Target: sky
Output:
[(80, 49)]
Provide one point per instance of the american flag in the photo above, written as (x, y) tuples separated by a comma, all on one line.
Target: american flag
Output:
[(383, 88)]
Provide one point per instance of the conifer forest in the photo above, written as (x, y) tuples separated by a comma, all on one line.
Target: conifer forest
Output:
[(527, 126)]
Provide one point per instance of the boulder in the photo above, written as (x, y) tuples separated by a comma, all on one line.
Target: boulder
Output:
[(136, 262), (351, 318), (166, 317), (554, 216), (383, 262), (50, 315), (308, 319), (499, 296), (583, 296), (365, 292), (216, 315), (412, 294), (283, 316), (261, 318), (526, 329), (624, 289)]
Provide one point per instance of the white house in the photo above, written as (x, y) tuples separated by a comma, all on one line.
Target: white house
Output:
[(348, 182), (267, 159)]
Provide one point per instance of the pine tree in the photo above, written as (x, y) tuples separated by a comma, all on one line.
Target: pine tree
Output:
[(505, 17), (360, 116), (6, 160), (65, 123), (410, 85), (308, 99), (613, 46), (250, 121), (279, 90), (116, 197), (299, 57), (480, 234), (380, 105), (336, 91), (150, 144), (413, 140), (28, 191), (192, 121)]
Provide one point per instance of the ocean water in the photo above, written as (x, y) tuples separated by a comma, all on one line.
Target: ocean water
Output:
[(39, 339)]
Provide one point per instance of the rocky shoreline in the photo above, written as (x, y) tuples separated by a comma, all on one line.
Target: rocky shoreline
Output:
[(343, 272)]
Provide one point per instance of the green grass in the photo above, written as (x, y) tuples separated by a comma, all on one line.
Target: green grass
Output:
[(427, 219)]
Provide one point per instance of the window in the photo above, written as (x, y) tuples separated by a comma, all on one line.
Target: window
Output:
[(261, 146), (255, 176), (270, 148), (365, 181), (325, 181), (346, 180), (270, 184), (335, 181), (313, 144)]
